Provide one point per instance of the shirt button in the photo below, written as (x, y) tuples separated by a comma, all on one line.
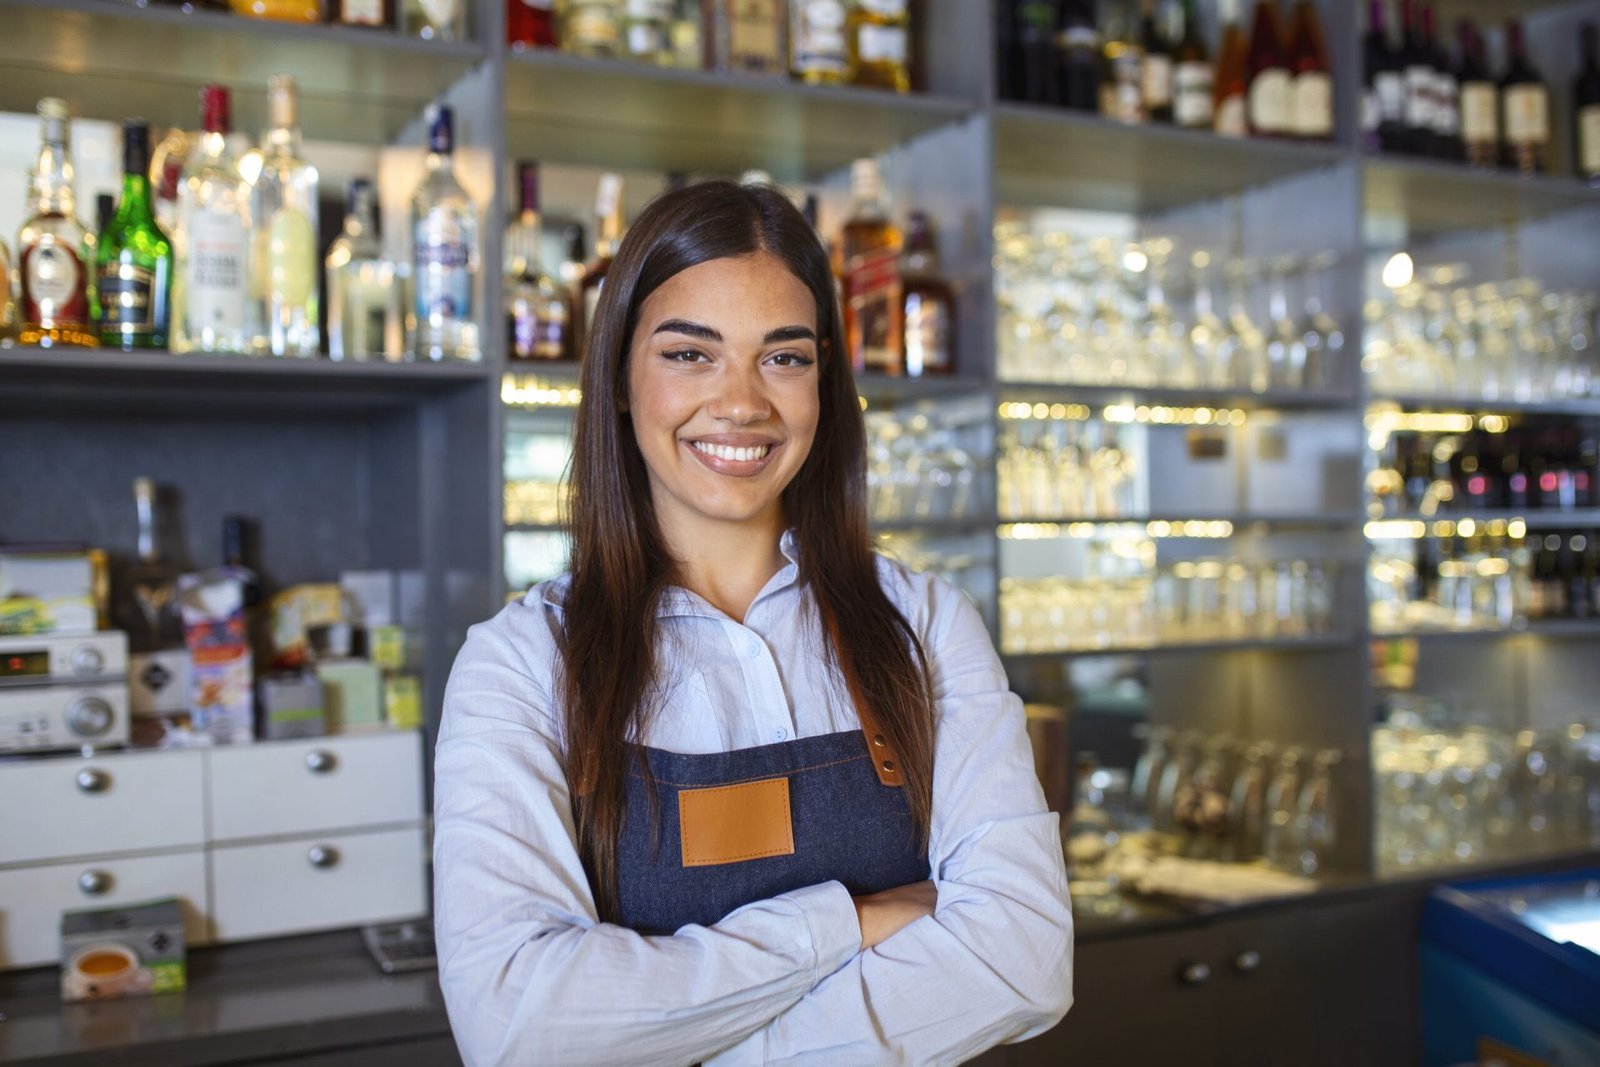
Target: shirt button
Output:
[(753, 649), (779, 735)]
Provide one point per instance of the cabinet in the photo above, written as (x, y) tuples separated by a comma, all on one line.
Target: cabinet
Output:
[(254, 841)]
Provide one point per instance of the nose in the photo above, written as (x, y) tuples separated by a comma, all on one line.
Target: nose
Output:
[(740, 397)]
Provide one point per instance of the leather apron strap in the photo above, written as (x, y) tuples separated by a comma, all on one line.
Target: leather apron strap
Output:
[(885, 762)]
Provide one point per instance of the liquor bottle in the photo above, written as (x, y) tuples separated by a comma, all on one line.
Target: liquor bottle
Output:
[(1155, 75), (608, 235), (1311, 87), (436, 20), (1121, 84), (134, 260), (375, 13), (819, 54), (444, 249), (1079, 62), (570, 275), (283, 207), (210, 291), (592, 28), (1446, 93), (55, 253), (1267, 63), (870, 259), (366, 297), (8, 305), (167, 163), (145, 607), (1586, 108), (1193, 78), (1416, 59), (1030, 60), (1526, 104), (530, 24), (879, 35), (280, 10), (1383, 106), (687, 52), (1480, 102), (746, 36), (536, 309), (239, 540), (1230, 115), (928, 304), (645, 26)]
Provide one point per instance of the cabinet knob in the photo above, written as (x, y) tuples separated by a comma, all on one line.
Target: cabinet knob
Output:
[(322, 856), (94, 883), (1247, 962), (93, 780), (1195, 974), (320, 761)]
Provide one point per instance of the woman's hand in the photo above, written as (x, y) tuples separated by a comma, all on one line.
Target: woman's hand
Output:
[(885, 914)]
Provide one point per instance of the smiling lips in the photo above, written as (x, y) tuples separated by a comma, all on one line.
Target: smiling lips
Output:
[(741, 460)]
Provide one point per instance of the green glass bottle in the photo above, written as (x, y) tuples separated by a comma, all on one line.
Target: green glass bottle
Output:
[(135, 258)]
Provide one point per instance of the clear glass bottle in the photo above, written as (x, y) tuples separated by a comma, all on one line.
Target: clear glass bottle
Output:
[(592, 27), (536, 307), (145, 607), (55, 252), (880, 44), (444, 250), (645, 25), (210, 290), (134, 258), (436, 20), (1122, 79), (608, 230), (283, 268), (366, 296), (819, 53)]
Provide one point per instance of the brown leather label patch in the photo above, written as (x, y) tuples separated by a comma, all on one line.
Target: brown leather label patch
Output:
[(733, 823)]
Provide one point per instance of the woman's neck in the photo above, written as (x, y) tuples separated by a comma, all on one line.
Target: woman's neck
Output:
[(728, 563)]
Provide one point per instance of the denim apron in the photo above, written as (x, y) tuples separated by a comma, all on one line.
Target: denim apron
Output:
[(847, 814)]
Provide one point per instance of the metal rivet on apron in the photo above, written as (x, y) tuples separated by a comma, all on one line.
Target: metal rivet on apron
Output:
[(878, 740), (888, 765)]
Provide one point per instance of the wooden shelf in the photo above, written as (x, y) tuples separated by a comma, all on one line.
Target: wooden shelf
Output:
[(1431, 196), (110, 60), (621, 114), (1055, 157)]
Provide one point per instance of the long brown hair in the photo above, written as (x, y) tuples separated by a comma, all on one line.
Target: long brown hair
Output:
[(621, 565)]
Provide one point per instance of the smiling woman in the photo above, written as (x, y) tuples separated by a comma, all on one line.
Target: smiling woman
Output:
[(686, 792)]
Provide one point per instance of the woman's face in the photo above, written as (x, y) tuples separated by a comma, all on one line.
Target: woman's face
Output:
[(722, 388)]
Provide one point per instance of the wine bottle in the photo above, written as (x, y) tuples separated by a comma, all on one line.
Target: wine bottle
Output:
[(135, 258), (1155, 77), (1268, 98), (1311, 90), (1229, 111), (1586, 108), (1121, 85), (1037, 77), (608, 214), (1480, 101), (1384, 105), (1417, 62), (530, 24), (1193, 77), (1446, 93), (1526, 108), (536, 309), (1079, 44)]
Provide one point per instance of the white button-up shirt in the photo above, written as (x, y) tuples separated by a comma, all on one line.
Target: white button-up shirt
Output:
[(531, 976)]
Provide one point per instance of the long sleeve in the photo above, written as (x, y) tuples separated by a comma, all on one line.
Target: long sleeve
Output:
[(994, 963), (529, 974)]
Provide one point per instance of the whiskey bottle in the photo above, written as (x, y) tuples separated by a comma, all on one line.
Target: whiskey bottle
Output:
[(575, 241), (134, 259), (210, 290), (55, 252), (283, 261), (1155, 75), (444, 248), (928, 318), (870, 255), (879, 35), (818, 51), (366, 301), (1121, 84), (592, 27), (536, 310), (1526, 104), (746, 36)]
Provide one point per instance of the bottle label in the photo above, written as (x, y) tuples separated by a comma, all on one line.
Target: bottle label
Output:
[(592, 26), (872, 290), (881, 44), (536, 337), (1589, 140), (1269, 101), (362, 12), (1419, 98), (290, 254), (1480, 113), (1191, 105), (819, 39), (215, 285), (1122, 96), (1230, 120), (443, 271), (53, 284), (1391, 89), (127, 298), (1312, 105), (927, 334), (1527, 114), (1447, 105), (646, 39), (755, 35), (1155, 77)]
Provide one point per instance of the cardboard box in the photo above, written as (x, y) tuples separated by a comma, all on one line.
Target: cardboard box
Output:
[(222, 699), (45, 591), (292, 706), (132, 950), (352, 693)]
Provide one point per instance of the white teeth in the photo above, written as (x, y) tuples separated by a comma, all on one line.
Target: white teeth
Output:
[(736, 455)]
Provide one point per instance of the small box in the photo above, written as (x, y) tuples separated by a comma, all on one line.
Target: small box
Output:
[(292, 706), (133, 950), (298, 610), (373, 597), (402, 700), (222, 701), (386, 646), (47, 590), (158, 683), (352, 693)]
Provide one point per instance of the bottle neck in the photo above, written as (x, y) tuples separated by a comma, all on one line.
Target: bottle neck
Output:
[(281, 141), (145, 503), (214, 145), (53, 177), (135, 204)]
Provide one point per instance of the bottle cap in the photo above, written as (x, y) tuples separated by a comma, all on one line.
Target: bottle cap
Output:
[(215, 112), (53, 107), (528, 186), (281, 101), (441, 129), (864, 178), (136, 146)]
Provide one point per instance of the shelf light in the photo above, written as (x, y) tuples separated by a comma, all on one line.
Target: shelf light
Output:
[(1398, 272), (1396, 530), (535, 392)]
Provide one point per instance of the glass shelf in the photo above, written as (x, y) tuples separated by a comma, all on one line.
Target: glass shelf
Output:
[(1433, 197), (1315, 643)]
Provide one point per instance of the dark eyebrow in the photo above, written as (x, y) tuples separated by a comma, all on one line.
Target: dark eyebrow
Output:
[(791, 333), (689, 329)]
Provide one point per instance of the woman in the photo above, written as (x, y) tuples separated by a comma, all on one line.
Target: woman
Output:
[(735, 790)]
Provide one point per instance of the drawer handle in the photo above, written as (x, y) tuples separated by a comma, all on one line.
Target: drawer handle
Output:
[(95, 883), (323, 856), (320, 761), (1195, 974), (93, 780), (1247, 962)]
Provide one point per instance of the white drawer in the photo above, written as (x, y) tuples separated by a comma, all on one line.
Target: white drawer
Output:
[(125, 802), (316, 785), (33, 898), (317, 883)]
